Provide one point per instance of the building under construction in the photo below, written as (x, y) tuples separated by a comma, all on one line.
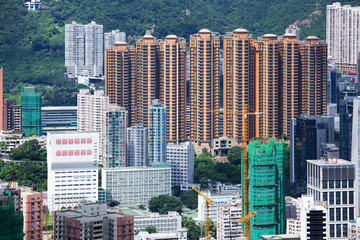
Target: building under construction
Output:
[(31, 110), (11, 219), (265, 188)]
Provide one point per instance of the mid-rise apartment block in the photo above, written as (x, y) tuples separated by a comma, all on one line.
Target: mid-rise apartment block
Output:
[(204, 85), (166, 223), (342, 35), (307, 133), (227, 216), (12, 116), (31, 111), (172, 67), (157, 132), (219, 200), (181, 158), (136, 185), (114, 133), (333, 181), (137, 146), (93, 221), (110, 38), (84, 49), (72, 160), (32, 207)]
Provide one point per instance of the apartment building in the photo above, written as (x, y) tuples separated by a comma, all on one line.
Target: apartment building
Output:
[(227, 216), (204, 86), (157, 132), (166, 223), (137, 146), (110, 38)]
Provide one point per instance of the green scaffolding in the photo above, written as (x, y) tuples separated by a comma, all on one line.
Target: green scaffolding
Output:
[(266, 188), (31, 111), (11, 223)]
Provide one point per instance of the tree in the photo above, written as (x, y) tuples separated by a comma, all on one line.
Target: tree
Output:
[(30, 134), (3, 146), (142, 207), (150, 229), (193, 228), (114, 203), (165, 203), (189, 199), (234, 155), (30, 150)]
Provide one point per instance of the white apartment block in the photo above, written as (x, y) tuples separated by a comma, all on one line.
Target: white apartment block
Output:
[(137, 146), (179, 234), (90, 113), (72, 159), (164, 223), (343, 34), (136, 185), (84, 50), (333, 181), (110, 38), (219, 200), (227, 217), (354, 229), (181, 158)]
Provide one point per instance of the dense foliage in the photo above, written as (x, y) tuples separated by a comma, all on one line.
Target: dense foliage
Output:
[(234, 155), (30, 150), (32, 43), (196, 231), (206, 168), (165, 203), (189, 199), (29, 174)]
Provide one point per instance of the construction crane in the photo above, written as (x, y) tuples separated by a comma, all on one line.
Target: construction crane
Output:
[(247, 217), (8, 188), (207, 205), (245, 197)]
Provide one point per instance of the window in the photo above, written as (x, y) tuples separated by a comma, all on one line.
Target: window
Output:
[(331, 184), (332, 214), (344, 183), (331, 198), (338, 183), (351, 213), (324, 184), (338, 230), (351, 197), (351, 183), (345, 230), (332, 230), (345, 214), (344, 197), (338, 198), (338, 214), (325, 198)]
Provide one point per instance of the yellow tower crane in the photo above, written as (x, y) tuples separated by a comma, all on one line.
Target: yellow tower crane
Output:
[(245, 196), (207, 218)]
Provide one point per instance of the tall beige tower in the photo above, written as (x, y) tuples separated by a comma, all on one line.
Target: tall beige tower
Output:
[(237, 75), (172, 72), (204, 85)]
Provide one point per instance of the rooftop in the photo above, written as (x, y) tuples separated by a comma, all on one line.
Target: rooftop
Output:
[(204, 30), (241, 30), (270, 35), (331, 161)]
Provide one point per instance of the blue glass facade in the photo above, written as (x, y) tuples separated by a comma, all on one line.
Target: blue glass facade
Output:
[(157, 132)]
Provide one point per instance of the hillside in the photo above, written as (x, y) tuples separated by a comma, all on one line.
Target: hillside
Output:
[(32, 44)]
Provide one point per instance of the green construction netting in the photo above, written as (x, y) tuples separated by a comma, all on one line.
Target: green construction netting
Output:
[(11, 223), (266, 188), (31, 111)]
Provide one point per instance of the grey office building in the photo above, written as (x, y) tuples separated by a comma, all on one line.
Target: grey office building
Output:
[(55, 119), (307, 133)]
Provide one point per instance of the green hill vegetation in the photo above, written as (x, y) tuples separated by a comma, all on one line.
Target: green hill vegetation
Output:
[(32, 43)]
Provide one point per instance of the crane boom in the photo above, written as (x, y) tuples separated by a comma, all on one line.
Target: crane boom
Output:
[(247, 217), (207, 217)]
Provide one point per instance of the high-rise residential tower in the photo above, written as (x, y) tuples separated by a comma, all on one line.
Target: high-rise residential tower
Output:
[(288, 81), (114, 133), (137, 146), (265, 89), (293, 29), (355, 147), (147, 74), (237, 67), (204, 85), (31, 111), (172, 66), (157, 132), (1, 99), (120, 80), (313, 77), (84, 49), (110, 38), (90, 113), (342, 35)]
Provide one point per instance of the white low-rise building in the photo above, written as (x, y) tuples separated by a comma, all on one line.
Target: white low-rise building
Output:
[(179, 234), (164, 223), (227, 217), (72, 159), (136, 185)]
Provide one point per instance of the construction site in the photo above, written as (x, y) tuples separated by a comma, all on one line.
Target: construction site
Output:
[(11, 218), (264, 186), (31, 110)]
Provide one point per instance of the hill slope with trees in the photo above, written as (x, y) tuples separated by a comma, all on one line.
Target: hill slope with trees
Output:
[(32, 43)]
